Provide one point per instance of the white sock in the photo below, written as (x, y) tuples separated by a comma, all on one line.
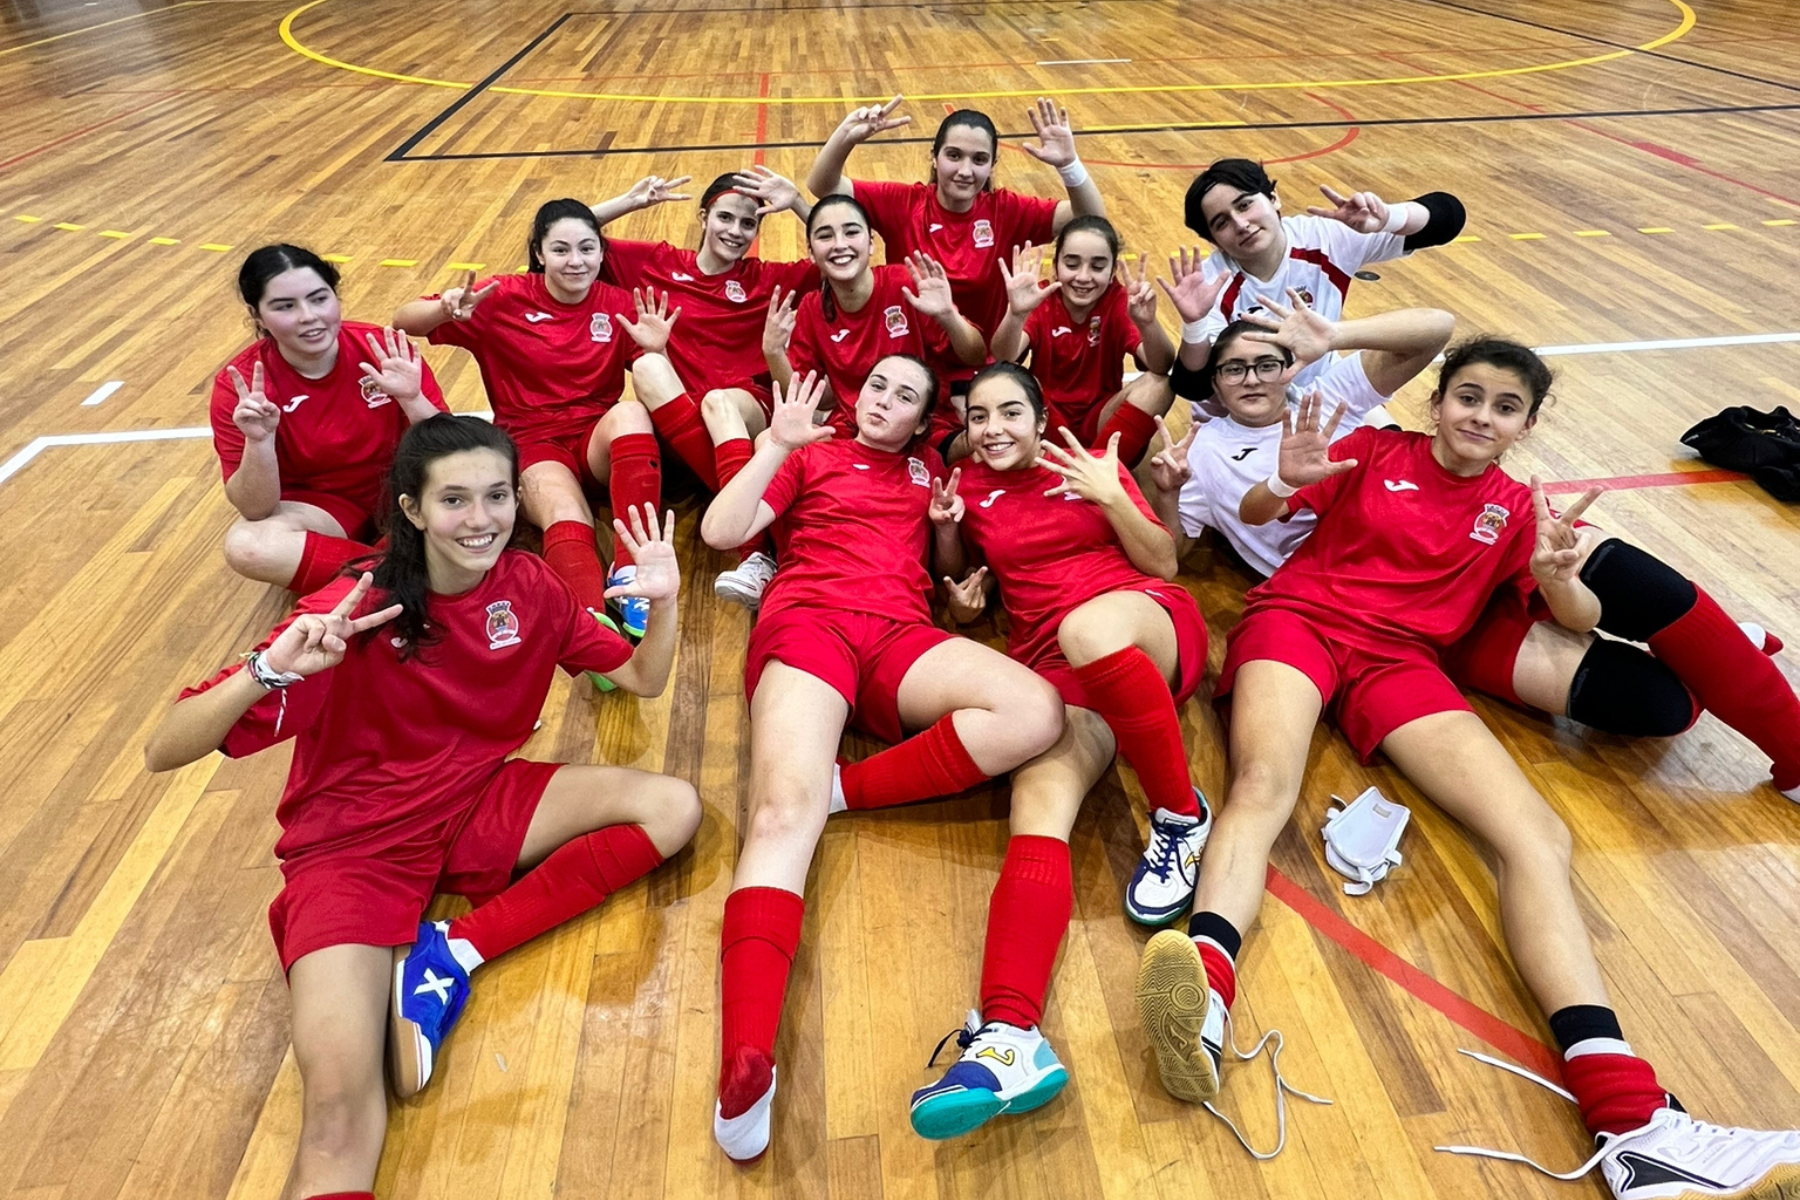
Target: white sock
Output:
[(1756, 633), (464, 952), (838, 803), (1792, 793)]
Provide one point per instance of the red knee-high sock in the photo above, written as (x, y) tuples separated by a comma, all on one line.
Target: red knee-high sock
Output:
[(636, 481), (679, 423), (1135, 428), (321, 558), (1128, 691), (1735, 680), (732, 456), (760, 936), (932, 763), (1026, 921), (346, 1196), (569, 549), (577, 877), (1617, 1090), (1218, 942)]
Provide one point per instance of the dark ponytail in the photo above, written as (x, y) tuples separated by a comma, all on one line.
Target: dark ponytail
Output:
[(548, 215), (401, 572), (827, 301)]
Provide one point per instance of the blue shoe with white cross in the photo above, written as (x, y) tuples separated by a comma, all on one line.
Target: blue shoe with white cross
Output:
[(430, 989)]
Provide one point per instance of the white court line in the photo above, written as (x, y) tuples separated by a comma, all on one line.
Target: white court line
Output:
[(13, 465), (102, 392), (1077, 62), (1741, 339)]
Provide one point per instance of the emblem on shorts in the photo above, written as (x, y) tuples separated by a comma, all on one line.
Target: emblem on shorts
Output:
[(502, 625), (983, 233), (1489, 524), (920, 475), (372, 394), (896, 321), (600, 328), (1094, 331), (734, 291)]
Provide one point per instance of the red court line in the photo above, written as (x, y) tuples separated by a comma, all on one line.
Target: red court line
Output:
[(1619, 483), (1508, 1039), (762, 119), (85, 129)]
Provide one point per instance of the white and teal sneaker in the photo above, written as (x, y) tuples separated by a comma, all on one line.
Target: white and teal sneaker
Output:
[(634, 611), (1002, 1069)]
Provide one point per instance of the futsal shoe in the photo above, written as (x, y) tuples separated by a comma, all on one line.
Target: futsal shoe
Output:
[(1677, 1156), (1003, 1068), (1183, 1018), (745, 583), (749, 1092), (430, 989), (602, 683), (634, 611), (1162, 886)]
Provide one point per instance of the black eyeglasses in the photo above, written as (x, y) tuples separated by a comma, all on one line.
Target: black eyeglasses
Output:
[(1265, 368)]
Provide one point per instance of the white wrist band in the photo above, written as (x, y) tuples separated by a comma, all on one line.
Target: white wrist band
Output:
[(1196, 333), (1275, 484), (1396, 218), (1073, 175), (266, 676)]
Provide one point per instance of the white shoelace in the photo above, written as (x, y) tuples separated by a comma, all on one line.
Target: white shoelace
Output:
[(1282, 1086), (1507, 1156)]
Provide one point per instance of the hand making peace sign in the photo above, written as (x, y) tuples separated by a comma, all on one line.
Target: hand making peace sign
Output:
[(317, 642)]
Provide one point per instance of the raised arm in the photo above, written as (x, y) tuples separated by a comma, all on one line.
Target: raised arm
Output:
[(646, 672), (739, 512), (1024, 292), (1194, 297), (1056, 147), (827, 174), (1169, 472), (1556, 561), (1149, 546), (773, 193), (396, 368), (1396, 345), (1305, 458), (1156, 351), (778, 331), (934, 299), (420, 317), (946, 511), (1431, 220), (647, 192), (254, 489)]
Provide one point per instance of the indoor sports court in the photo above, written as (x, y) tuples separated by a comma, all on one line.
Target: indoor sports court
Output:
[(1631, 176)]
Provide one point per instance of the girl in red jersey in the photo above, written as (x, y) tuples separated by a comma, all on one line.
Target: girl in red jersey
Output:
[(402, 783), (1085, 569), (845, 635), (553, 346), (959, 218), (863, 314), (305, 420), (1415, 533), (1078, 345)]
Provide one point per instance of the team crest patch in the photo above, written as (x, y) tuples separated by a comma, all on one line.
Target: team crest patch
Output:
[(983, 233), (600, 328), (502, 625), (896, 321), (920, 476), (734, 291), (1306, 295), (1094, 331), (1489, 524), (372, 394)]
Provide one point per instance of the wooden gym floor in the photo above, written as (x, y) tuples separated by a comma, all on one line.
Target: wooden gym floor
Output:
[(1632, 173)]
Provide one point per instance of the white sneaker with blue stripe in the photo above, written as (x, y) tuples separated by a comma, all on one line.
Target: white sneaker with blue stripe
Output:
[(1162, 886), (634, 611), (430, 989), (1003, 1068)]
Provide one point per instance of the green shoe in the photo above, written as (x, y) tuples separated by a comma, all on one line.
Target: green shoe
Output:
[(601, 683)]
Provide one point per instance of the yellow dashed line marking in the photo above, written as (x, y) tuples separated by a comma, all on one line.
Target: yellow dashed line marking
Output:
[(1526, 237), (114, 233), (215, 247), (1721, 225), (35, 220), (64, 225), (1467, 237), (1654, 229), (399, 262), (465, 266), (163, 241), (335, 258), (1782, 221), (1593, 233)]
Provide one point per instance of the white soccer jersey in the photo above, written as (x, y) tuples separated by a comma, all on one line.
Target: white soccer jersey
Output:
[(1323, 256), (1228, 459)]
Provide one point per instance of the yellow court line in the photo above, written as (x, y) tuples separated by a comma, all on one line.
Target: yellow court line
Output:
[(287, 35), (102, 25)]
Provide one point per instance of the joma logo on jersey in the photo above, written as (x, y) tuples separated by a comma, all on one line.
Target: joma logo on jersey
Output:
[(916, 468), (600, 328), (1489, 524), (983, 233), (372, 394), (895, 316), (502, 625), (734, 291)]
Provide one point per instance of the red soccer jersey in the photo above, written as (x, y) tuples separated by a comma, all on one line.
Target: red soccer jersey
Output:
[(846, 347), (852, 529), (717, 342), (551, 369), (1049, 554), (337, 434), (969, 245), (400, 745), (1404, 548), (1079, 366)]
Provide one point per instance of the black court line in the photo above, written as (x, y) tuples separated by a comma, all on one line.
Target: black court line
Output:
[(400, 152), (1478, 119), (1588, 37)]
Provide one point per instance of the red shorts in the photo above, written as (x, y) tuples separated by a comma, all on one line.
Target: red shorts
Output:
[(353, 897), (1190, 650), (570, 451), (357, 523), (862, 657), (1484, 658), (761, 389), (1370, 686)]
